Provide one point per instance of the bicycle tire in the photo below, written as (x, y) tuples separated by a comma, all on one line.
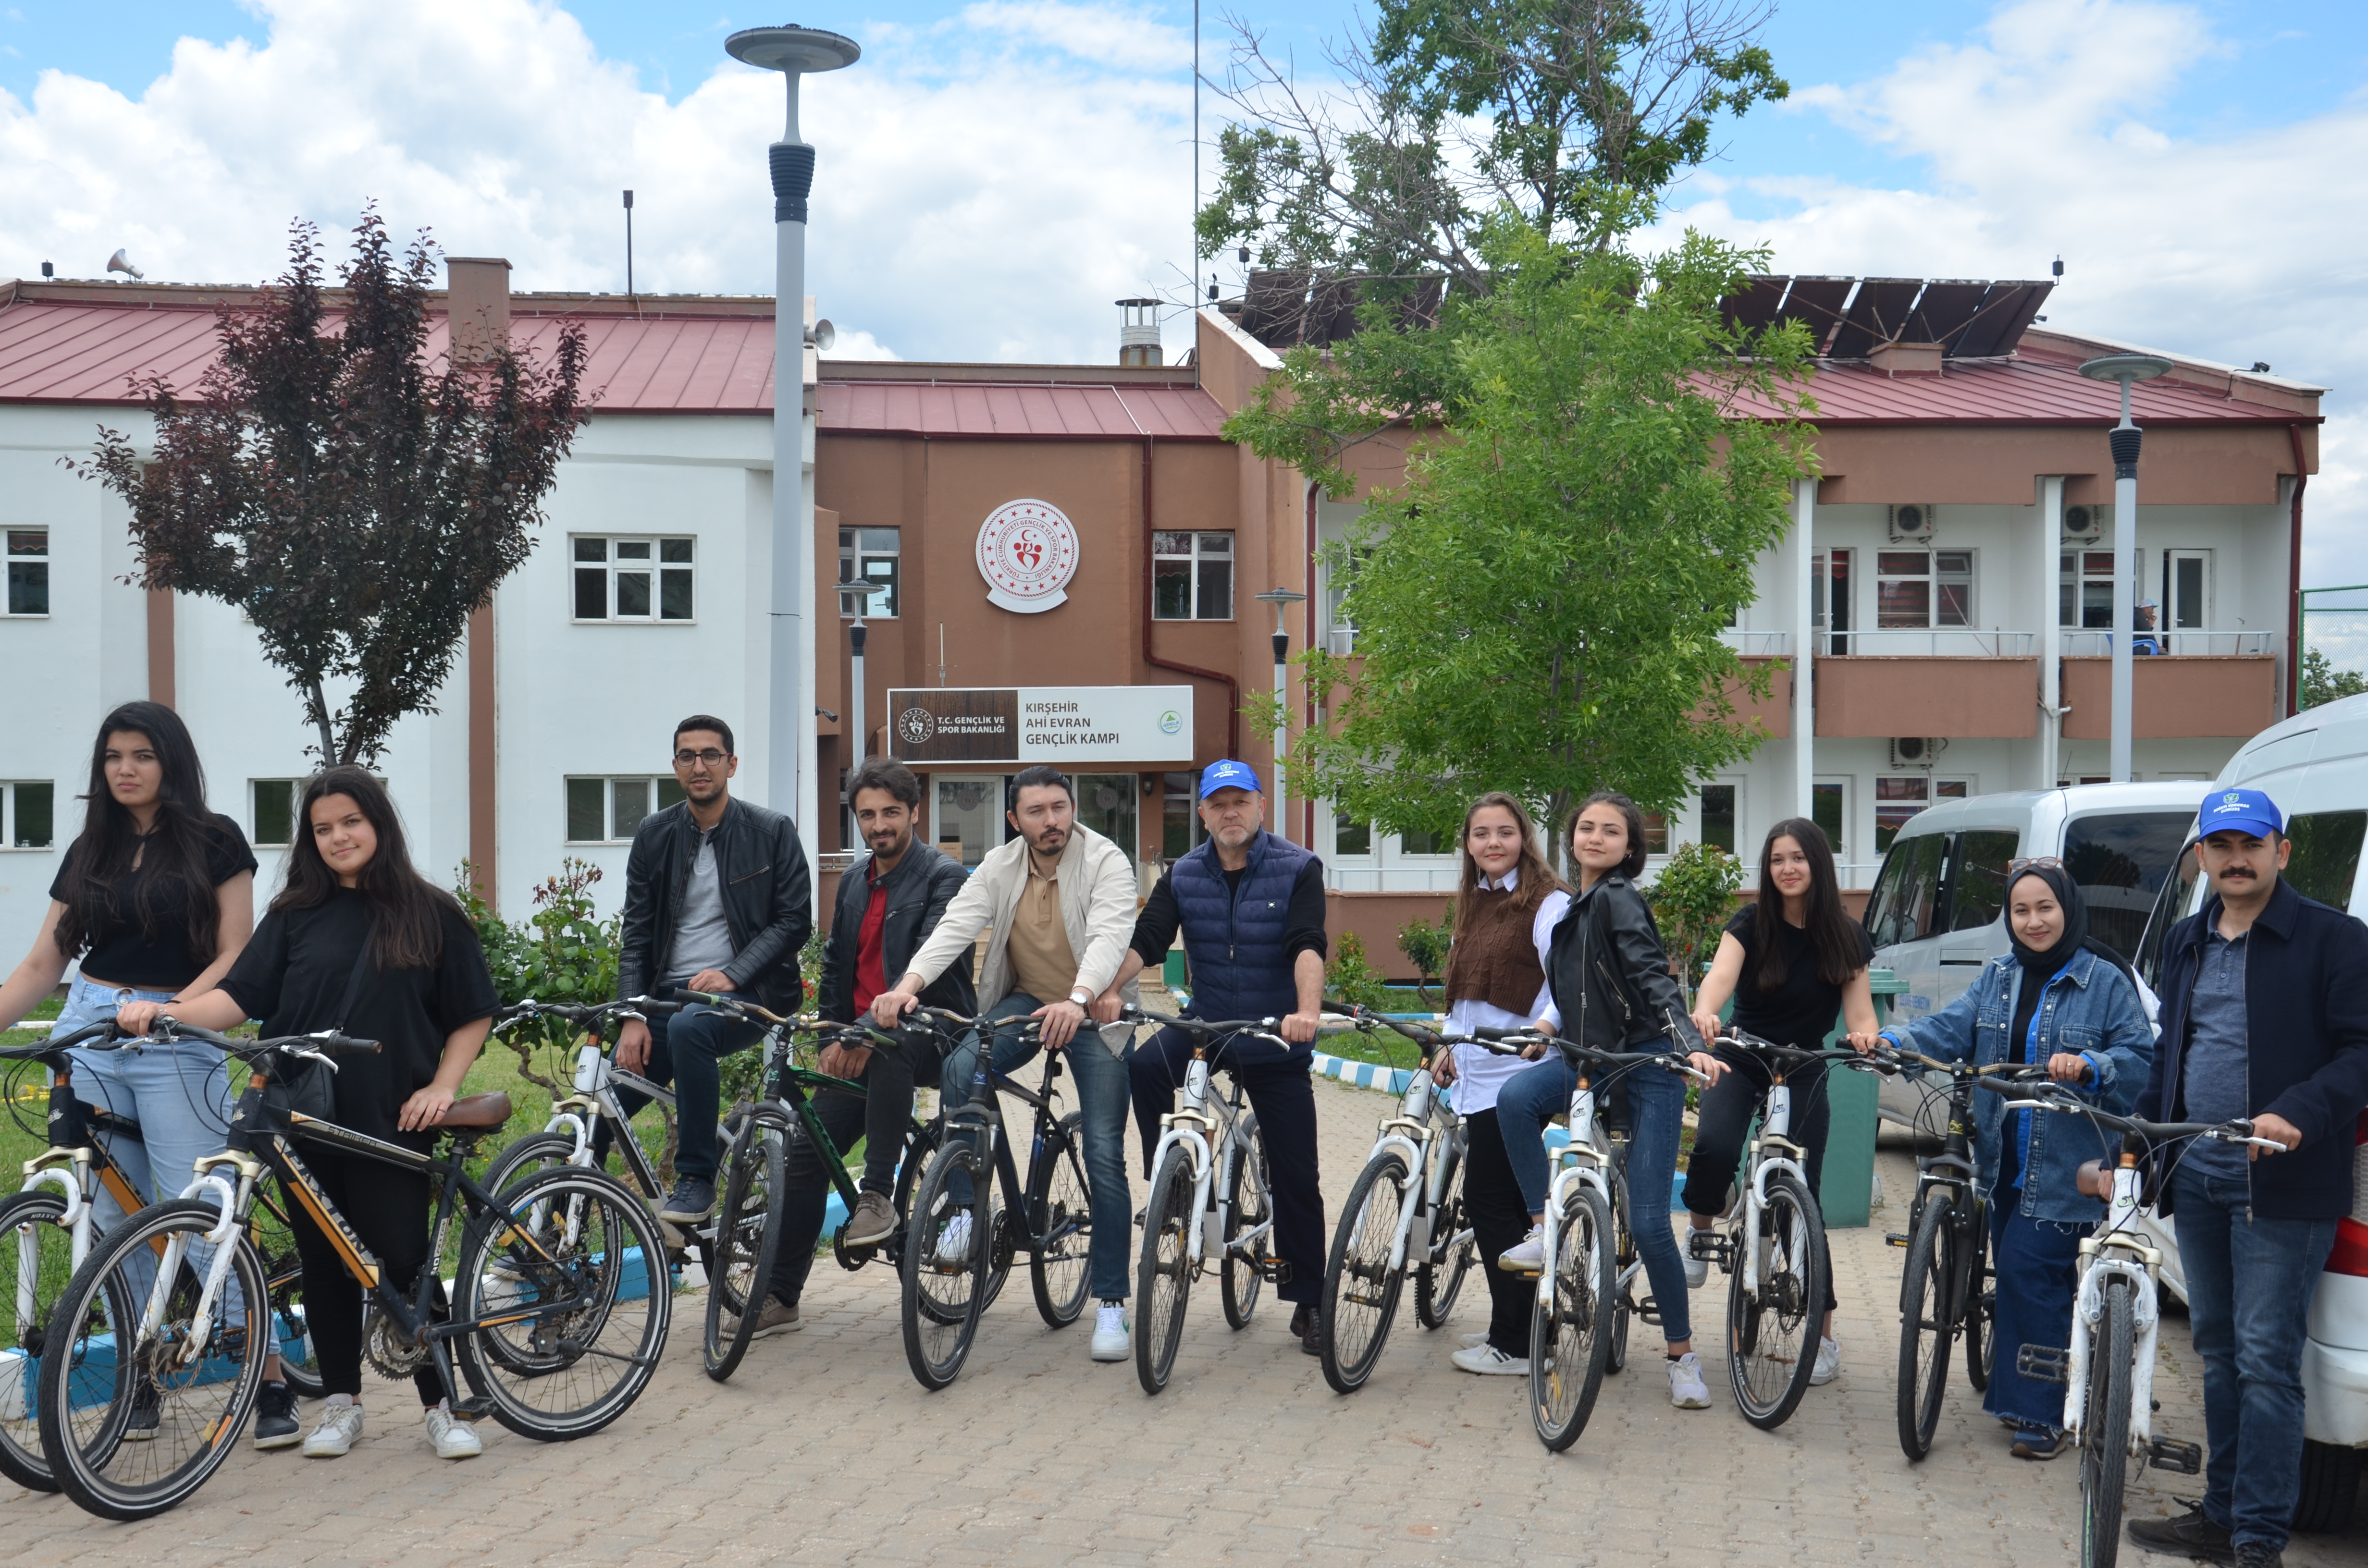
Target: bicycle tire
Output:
[(1772, 1336), (1927, 1327), (940, 1302), (1570, 1320), (1981, 1298), (747, 1240), (29, 1235), (1360, 1288), (921, 1142), (1439, 1278), (597, 1355), (197, 1411), (283, 1270), (1060, 1211), (2105, 1427), (1623, 1254), (1241, 1274), (1163, 1277)]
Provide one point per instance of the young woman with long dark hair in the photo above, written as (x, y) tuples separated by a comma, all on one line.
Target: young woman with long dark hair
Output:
[(359, 941), (1506, 906), (1792, 960)]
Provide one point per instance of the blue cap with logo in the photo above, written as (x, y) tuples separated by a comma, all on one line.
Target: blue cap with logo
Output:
[(1227, 774), (2238, 811)]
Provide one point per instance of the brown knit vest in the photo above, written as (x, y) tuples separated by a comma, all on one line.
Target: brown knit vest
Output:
[(1493, 961)]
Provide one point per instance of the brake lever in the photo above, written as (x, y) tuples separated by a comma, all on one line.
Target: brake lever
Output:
[(303, 1055)]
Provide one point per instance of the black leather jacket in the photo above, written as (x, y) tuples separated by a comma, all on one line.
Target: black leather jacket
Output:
[(768, 900), (1610, 977), (918, 889)]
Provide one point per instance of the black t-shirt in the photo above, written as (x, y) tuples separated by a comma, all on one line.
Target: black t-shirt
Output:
[(294, 975), (120, 953), (1801, 1012)]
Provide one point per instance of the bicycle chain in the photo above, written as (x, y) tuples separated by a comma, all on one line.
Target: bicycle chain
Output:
[(386, 1347)]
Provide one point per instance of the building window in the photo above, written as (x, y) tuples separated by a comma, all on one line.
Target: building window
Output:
[(271, 820), (1192, 575), (1351, 837), (29, 571), (1829, 808), (606, 811), (634, 579), (1338, 579), (2085, 590), (1829, 599), (29, 815), (869, 555), (1899, 796), (1718, 816), (1422, 841), (2185, 579), (1924, 587)]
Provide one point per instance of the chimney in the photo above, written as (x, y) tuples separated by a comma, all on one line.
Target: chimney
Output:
[(480, 304), (1138, 334), (1907, 359)]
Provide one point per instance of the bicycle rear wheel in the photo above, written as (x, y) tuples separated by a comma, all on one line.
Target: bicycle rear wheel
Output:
[(1250, 1206), (747, 1239), (1060, 1211), (275, 1244), (194, 1377), (2105, 1427), (1440, 1277), (1360, 1288), (1926, 1327), (1163, 1276), (944, 1273), (1623, 1258), (585, 1302), (1981, 1297), (1771, 1347), (1570, 1323), (36, 1261)]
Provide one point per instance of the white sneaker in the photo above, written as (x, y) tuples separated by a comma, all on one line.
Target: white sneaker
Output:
[(1491, 1362), (1697, 1268), (1110, 1343), (1687, 1391), (1469, 1340), (336, 1433), (1526, 1255), (454, 1438), (1829, 1363), (953, 1241)]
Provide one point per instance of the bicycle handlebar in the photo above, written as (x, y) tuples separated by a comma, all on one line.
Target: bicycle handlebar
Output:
[(320, 1045), (88, 1038), (2059, 1098)]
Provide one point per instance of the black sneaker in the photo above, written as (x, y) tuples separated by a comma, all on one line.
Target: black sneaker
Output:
[(2190, 1534), (147, 1414), (275, 1418), (692, 1199), (2259, 1554), (1303, 1324)]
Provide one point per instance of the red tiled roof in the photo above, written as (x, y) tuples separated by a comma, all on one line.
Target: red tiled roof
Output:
[(2034, 388), (1018, 411)]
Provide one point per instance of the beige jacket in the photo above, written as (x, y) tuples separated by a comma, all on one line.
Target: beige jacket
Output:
[(1096, 909)]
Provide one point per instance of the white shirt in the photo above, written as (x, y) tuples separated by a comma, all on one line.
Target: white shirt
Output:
[(1479, 1075)]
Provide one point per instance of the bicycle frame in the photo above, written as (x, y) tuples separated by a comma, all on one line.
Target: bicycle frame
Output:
[(75, 1161), (2116, 1251), (1585, 1160), (1772, 1151), (1205, 1125), (981, 1116)]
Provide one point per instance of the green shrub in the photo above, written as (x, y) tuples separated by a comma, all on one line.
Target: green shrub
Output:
[(1425, 946), (1350, 977), (1692, 900)]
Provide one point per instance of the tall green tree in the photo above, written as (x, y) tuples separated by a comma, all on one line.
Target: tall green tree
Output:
[(2323, 681)]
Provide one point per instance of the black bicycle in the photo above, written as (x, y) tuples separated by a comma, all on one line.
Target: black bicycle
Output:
[(962, 1252)]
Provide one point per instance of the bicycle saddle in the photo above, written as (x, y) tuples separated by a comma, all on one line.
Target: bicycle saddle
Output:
[(478, 1110)]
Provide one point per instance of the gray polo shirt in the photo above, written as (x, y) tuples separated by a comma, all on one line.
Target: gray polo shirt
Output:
[(2215, 1079), (702, 938)]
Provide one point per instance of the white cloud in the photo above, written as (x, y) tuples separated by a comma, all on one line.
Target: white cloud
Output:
[(857, 346), (2239, 248), (1128, 41)]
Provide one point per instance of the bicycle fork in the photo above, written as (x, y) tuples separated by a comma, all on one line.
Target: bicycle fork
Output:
[(1582, 1161)]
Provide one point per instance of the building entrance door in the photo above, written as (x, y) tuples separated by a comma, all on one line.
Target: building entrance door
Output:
[(968, 818), (1107, 804)]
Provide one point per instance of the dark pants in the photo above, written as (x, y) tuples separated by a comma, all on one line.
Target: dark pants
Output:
[(1492, 1202), (1724, 1116), (1285, 1100), (2038, 1264), (2249, 1282), (386, 1208), (684, 1049), (806, 1195)]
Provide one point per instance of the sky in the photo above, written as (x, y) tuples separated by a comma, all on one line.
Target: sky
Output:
[(993, 174)]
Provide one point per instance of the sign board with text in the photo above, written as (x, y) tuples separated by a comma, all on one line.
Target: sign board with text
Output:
[(1062, 725)]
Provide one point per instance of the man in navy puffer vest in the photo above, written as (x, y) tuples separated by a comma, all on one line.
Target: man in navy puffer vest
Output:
[(1251, 908)]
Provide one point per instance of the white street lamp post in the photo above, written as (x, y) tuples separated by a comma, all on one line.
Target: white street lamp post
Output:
[(1281, 599), (2126, 438)]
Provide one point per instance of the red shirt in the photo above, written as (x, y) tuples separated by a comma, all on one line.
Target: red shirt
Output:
[(871, 978)]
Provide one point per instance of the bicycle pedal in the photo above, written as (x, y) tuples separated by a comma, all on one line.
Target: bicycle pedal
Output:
[(1894, 1238), (2044, 1363), (1274, 1271), (1647, 1311), (2169, 1453), (475, 1408)]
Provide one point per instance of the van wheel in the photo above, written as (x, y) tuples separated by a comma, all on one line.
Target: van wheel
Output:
[(2331, 1481)]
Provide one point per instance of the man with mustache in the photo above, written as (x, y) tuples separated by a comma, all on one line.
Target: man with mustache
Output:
[(2265, 1015)]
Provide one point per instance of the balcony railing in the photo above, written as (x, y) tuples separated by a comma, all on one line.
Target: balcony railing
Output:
[(2100, 645), (1757, 645), (1960, 642), (1393, 879)]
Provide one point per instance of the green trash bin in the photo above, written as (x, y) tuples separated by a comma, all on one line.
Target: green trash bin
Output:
[(1845, 1195), (1172, 973)]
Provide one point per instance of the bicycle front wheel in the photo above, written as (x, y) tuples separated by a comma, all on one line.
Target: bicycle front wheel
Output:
[(144, 1436), (945, 1266), (1163, 1276), (1926, 1327), (1360, 1288), (1060, 1210), (1250, 1206), (1570, 1323), (1447, 1260), (1981, 1297), (1772, 1345), (36, 1261), (2105, 1427), (747, 1239), (583, 1300)]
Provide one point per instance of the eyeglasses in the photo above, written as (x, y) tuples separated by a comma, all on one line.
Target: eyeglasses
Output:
[(709, 756), (2034, 863)]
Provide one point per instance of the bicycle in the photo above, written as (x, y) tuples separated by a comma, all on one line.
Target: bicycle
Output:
[(555, 1325), (2108, 1372), (1948, 1289), (46, 1234), (963, 1252), (1393, 1225), (749, 1217)]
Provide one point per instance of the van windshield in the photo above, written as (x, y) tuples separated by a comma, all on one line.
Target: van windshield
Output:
[(2120, 860)]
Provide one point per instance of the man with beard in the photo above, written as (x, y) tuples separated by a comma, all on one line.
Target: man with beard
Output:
[(1060, 898)]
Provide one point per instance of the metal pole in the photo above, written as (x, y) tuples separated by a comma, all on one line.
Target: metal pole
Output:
[(1281, 728), (2126, 438), (855, 697), (790, 783)]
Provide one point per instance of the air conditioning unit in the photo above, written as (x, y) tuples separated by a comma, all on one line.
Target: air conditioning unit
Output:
[(1916, 751), (1912, 524), (2086, 525)]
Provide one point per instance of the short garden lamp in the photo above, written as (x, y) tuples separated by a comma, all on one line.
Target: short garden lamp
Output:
[(859, 589), (1281, 599)]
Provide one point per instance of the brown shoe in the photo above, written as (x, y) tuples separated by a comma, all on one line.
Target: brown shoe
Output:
[(776, 1316), (873, 1223)]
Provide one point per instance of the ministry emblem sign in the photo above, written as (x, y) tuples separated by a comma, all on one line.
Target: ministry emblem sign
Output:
[(1027, 553)]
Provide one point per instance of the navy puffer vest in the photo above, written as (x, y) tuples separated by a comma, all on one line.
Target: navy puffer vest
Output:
[(1235, 938)]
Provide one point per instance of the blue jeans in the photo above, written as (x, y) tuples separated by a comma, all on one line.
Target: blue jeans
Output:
[(1656, 1108), (2038, 1264), (1100, 1078), (2249, 1282), (684, 1049)]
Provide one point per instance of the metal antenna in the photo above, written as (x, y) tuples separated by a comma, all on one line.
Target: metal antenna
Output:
[(628, 254)]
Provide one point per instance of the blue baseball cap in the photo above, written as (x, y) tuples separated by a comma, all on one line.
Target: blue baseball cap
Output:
[(1228, 774), (2238, 811)]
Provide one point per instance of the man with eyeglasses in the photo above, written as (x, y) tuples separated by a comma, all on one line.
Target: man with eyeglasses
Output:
[(717, 899)]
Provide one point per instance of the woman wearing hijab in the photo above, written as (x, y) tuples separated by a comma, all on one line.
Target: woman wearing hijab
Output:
[(2066, 1000)]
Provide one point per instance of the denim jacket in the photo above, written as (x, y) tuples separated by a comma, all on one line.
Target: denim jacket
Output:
[(2090, 1006)]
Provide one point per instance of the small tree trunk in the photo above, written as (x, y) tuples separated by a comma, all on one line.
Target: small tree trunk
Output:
[(321, 717)]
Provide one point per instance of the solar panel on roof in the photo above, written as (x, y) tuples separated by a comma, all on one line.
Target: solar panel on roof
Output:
[(2006, 311), (1877, 315), (1753, 307), (1274, 305), (1947, 305), (1817, 302)]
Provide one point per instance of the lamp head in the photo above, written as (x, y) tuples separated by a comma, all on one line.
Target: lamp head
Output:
[(2125, 368), (793, 48)]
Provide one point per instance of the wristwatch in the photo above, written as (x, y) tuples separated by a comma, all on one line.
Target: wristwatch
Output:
[(1081, 997)]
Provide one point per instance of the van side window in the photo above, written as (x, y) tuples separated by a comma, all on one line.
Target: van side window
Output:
[(2176, 901), (2326, 859), (1977, 885), (1906, 897), (2120, 860)]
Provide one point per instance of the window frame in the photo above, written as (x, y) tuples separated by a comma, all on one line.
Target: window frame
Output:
[(2166, 618), (856, 558), (1937, 788), (1196, 560), (29, 561), (660, 568), (2075, 571), (10, 805), (659, 783), (1933, 581), (295, 787)]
